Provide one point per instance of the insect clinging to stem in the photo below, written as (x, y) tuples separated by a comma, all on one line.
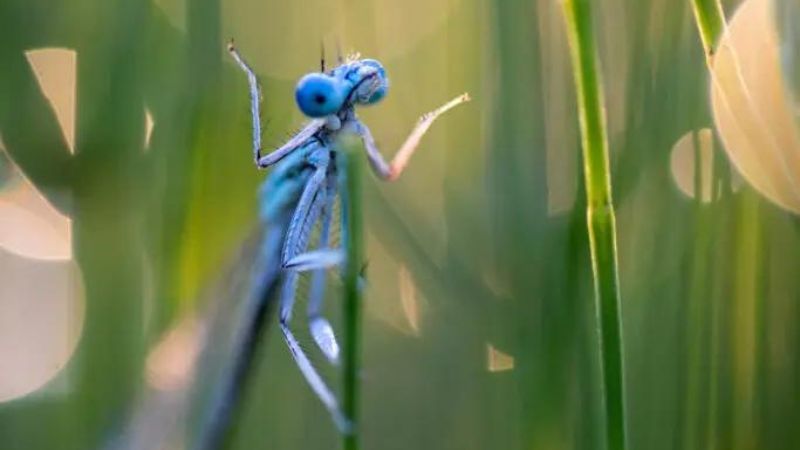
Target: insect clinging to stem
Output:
[(300, 192)]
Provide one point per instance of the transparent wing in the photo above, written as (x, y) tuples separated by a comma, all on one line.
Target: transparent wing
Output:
[(234, 338), (195, 371)]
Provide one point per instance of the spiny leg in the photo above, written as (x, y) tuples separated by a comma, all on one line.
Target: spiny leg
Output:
[(318, 280), (392, 171), (255, 99), (296, 142), (289, 288), (322, 257), (309, 207), (320, 328), (303, 363), (314, 380), (318, 262), (297, 237)]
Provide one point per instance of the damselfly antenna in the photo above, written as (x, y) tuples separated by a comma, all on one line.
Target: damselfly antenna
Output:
[(322, 56), (339, 54)]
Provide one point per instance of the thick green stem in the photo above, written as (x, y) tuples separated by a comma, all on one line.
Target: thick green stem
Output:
[(710, 22), (351, 349), (600, 214)]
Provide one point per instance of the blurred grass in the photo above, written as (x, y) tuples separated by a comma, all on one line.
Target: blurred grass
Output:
[(710, 22), (486, 221)]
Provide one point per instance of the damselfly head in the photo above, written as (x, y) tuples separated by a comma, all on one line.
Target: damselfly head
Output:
[(361, 82)]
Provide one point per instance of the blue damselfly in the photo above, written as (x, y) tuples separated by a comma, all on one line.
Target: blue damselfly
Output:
[(301, 191)]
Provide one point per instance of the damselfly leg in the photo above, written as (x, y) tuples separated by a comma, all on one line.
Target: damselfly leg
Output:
[(255, 99), (296, 142), (306, 214), (320, 328), (391, 171)]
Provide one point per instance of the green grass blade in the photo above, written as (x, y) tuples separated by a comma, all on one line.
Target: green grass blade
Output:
[(710, 21), (351, 348), (600, 214)]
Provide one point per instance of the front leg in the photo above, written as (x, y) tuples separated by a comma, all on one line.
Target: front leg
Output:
[(255, 98), (255, 111), (391, 171)]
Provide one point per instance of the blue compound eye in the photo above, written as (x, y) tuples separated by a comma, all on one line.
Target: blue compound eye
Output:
[(319, 95), (380, 92)]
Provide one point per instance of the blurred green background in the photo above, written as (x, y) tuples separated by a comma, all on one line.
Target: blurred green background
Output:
[(479, 330)]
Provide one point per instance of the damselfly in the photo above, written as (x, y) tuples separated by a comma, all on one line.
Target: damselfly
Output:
[(300, 192)]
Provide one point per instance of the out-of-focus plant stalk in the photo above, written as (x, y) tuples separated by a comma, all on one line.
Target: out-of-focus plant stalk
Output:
[(351, 349), (600, 214), (710, 22)]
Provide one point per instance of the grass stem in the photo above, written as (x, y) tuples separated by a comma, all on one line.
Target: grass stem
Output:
[(710, 22), (351, 350), (600, 214)]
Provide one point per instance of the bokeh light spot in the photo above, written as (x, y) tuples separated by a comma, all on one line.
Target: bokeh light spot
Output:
[(498, 361), (149, 123), (29, 225), (683, 160), (41, 319), (55, 71)]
